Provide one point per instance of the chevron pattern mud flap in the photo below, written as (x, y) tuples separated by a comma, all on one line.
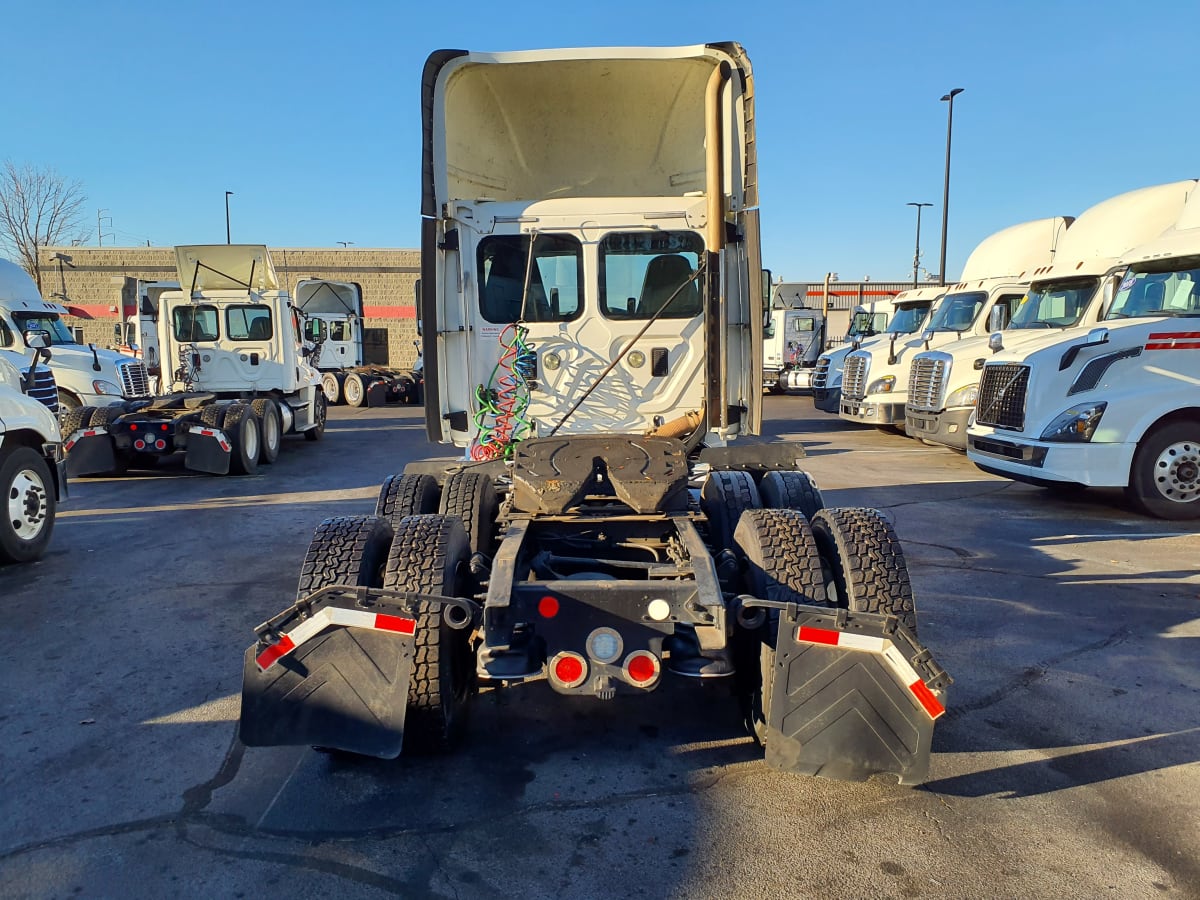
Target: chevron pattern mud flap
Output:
[(90, 452), (338, 679), (852, 695)]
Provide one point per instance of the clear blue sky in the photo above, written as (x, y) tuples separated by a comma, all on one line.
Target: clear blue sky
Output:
[(309, 112)]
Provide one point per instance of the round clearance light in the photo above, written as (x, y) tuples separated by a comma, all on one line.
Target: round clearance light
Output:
[(636, 359), (604, 645), (658, 609), (551, 361), (642, 668), (548, 607), (568, 669)]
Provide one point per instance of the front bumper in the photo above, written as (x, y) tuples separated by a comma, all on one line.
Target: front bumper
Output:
[(828, 399), (1046, 463), (868, 412), (948, 427)]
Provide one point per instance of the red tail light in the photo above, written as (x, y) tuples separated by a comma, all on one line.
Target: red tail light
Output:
[(642, 668), (568, 669)]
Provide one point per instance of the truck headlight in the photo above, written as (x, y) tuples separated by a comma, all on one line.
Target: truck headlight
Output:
[(106, 387), (1076, 424), (882, 385), (964, 396)]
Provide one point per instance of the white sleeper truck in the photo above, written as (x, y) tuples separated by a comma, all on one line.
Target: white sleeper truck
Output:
[(1063, 296), (905, 314), (997, 273), (84, 373), (235, 361), (1116, 405), (592, 325), (32, 475)]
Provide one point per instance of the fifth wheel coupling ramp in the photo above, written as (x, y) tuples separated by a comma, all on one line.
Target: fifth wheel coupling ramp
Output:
[(853, 695)]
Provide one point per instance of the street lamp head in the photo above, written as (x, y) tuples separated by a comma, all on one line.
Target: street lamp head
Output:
[(954, 93), (229, 193)]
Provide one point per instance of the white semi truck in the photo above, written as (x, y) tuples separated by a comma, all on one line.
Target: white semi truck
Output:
[(592, 323), (1064, 296), (997, 273), (906, 314), (1116, 405), (793, 340), (33, 478), (235, 361), (84, 373), (136, 335)]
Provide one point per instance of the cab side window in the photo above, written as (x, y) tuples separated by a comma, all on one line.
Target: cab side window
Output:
[(251, 322), (194, 323), (6, 335)]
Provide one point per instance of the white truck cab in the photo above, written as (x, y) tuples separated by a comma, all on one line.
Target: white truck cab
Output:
[(794, 339), (1066, 295), (86, 374), (875, 381), (137, 334), (32, 474), (339, 305), (1114, 406), (906, 314)]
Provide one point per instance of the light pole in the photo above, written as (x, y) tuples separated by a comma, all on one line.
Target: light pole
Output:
[(227, 195), (345, 244), (917, 252), (947, 98)]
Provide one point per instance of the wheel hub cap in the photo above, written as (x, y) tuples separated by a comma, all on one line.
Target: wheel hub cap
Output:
[(1177, 472), (27, 504)]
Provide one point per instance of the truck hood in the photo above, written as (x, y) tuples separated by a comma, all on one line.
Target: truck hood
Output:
[(225, 267), (79, 357)]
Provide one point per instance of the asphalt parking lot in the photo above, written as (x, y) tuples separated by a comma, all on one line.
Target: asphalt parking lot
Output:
[(1066, 767)]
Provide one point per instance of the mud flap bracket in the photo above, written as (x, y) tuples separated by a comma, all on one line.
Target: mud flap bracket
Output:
[(852, 695)]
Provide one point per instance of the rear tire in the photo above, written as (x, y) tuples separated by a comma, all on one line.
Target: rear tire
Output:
[(407, 495), (27, 505), (332, 388), (245, 438), (723, 498), (471, 497), (782, 564), (1164, 480), (267, 411), (355, 390), (320, 413), (865, 568), (429, 555), (791, 490), (345, 550), (74, 419)]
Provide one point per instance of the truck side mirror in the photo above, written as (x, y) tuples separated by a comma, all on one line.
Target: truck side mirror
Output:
[(998, 318), (37, 340), (768, 329)]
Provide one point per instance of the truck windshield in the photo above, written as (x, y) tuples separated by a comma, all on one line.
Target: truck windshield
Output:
[(48, 322), (554, 278), (1159, 293), (640, 271), (908, 319), (865, 324), (1055, 304), (957, 312)]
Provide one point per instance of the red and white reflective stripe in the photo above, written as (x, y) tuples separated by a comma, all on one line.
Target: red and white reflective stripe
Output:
[(82, 433), (895, 659), (212, 433), (332, 615), (1173, 340)]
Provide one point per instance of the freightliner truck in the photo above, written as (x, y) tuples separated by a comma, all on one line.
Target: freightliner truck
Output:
[(997, 273), (1115, 405), (592, 325), (906, 314), (794, 339), (1066, 295), (235, 366)]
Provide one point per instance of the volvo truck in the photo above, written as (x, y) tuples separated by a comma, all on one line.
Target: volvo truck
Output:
[(1066, 295), (592, 326), (997, 273)]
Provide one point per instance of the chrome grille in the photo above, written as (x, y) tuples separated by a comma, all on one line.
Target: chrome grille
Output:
[(44, 389), (1002, 396), (135, 380), (854, 375), (821, 373), (927, 384)]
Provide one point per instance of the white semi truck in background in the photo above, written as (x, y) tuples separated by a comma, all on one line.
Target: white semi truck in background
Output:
[(1062, 296), (793, 339), (905, 314), (85, 374), (136, 335), (997, 273), (592, 322), (33, 478), (1116, 405)]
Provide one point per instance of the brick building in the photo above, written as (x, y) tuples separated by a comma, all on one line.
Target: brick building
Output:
[(99, 284)]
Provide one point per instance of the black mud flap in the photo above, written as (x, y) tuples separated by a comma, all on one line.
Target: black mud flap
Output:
[(90, 452), (853, 695), (376, 394), (208, 450), (330, 676)]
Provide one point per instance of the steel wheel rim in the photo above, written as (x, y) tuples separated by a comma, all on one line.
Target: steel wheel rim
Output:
[(1177, 472), (28, 504), (353, 389), (250, 436), (271, 430)]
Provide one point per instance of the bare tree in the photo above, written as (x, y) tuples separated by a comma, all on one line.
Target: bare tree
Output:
[(38, 208)]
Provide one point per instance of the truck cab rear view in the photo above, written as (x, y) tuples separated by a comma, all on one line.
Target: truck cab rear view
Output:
[(592, 318)]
